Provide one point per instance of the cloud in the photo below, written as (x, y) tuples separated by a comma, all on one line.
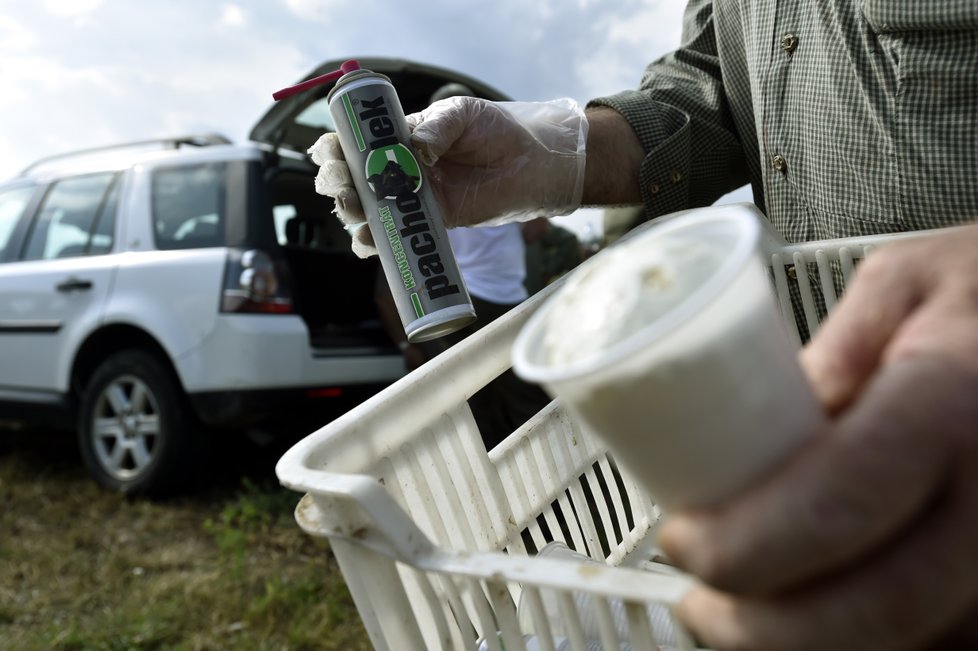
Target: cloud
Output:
[(631, 40), (44, 75), (316, 10), (232, 16), (70, 8), (580, 49), (659, 21), (15, 36), (80, 73)]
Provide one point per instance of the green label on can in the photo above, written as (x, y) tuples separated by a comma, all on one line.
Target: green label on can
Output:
[(392, 170)]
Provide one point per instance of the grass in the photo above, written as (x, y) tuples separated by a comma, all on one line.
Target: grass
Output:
[(85, 569)]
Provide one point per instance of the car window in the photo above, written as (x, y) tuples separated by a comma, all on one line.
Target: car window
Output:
[(13, 202), (65, 225), (189, 206), (302, 218), (317, 115), (282, 215)]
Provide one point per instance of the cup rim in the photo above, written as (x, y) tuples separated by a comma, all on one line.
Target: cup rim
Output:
[(744, 247)]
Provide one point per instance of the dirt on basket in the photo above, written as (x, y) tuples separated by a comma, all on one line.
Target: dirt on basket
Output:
[(226, 568)]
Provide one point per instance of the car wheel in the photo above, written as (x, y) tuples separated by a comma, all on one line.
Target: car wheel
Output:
[(136, 429)]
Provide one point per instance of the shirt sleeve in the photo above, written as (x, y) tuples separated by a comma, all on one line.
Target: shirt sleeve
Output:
[(681, 116)]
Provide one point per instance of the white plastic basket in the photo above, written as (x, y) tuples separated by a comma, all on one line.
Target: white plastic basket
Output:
[(436, 538)]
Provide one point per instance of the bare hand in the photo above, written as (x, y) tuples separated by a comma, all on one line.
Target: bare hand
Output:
[(868, 538)]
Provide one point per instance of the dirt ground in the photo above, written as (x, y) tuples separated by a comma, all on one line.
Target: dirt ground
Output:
[(224, 568)]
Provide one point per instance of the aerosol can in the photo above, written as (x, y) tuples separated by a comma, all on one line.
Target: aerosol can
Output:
[(402, 214)]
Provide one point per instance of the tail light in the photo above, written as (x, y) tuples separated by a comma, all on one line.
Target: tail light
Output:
[(255, 284)]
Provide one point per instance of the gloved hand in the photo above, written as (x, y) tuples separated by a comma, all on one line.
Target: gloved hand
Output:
[(487, 162)]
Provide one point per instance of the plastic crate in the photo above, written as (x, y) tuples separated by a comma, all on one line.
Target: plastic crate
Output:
[(437, 538)]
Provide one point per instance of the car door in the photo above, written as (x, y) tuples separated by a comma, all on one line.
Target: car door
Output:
[(53, 291)]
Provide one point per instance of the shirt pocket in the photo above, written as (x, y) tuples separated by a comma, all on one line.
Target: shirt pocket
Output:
[(893, 16), (933, 45)]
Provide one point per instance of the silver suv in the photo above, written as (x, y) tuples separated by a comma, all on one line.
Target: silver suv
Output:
[(154, 291)]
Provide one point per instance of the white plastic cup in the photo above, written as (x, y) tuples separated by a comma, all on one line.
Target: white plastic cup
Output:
[(705, 398)]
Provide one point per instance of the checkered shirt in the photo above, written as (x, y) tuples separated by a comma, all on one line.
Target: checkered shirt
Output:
[(848, 117)]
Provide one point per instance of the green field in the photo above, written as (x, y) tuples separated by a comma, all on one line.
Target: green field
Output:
[(223, 568)]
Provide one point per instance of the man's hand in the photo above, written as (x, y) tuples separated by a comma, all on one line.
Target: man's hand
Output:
[(867, 538), (484, 160), (334, 180), (502, 161)]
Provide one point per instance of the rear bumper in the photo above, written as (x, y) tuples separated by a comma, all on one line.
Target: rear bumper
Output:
[(288, 410)]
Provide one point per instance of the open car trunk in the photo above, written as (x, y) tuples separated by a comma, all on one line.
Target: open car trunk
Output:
[(332, 289)]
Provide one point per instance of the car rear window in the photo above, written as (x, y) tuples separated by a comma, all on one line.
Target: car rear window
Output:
[(189, 206)]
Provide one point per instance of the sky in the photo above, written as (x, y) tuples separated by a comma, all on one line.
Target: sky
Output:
[(86, 73)]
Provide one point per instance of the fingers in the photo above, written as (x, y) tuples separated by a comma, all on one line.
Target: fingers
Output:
[(333, 177), (869, 538), (326, 148), (363, 243), (350, 212), (847, 349), (902, 597), (348, 208), (439, 126), (852, 488), (334, 180), (412, 120)]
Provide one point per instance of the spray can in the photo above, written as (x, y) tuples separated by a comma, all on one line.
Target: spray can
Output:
[(402, 214)]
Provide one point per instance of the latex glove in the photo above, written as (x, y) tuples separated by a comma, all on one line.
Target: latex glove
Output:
[(487, 162), (868, 538), (334, 180)]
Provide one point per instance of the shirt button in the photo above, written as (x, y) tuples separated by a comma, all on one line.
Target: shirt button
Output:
[(789, 42), (676, 176), (779, 163), (653, 188)]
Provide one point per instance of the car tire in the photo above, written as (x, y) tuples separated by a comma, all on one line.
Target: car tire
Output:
[(136, 431)]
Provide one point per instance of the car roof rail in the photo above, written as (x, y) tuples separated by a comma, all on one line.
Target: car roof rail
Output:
[(172, 142)]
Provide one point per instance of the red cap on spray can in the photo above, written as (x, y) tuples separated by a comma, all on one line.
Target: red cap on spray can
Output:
[(348, 66)]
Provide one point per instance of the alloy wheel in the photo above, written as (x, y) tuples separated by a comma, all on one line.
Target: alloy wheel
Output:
[(125, 427)]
